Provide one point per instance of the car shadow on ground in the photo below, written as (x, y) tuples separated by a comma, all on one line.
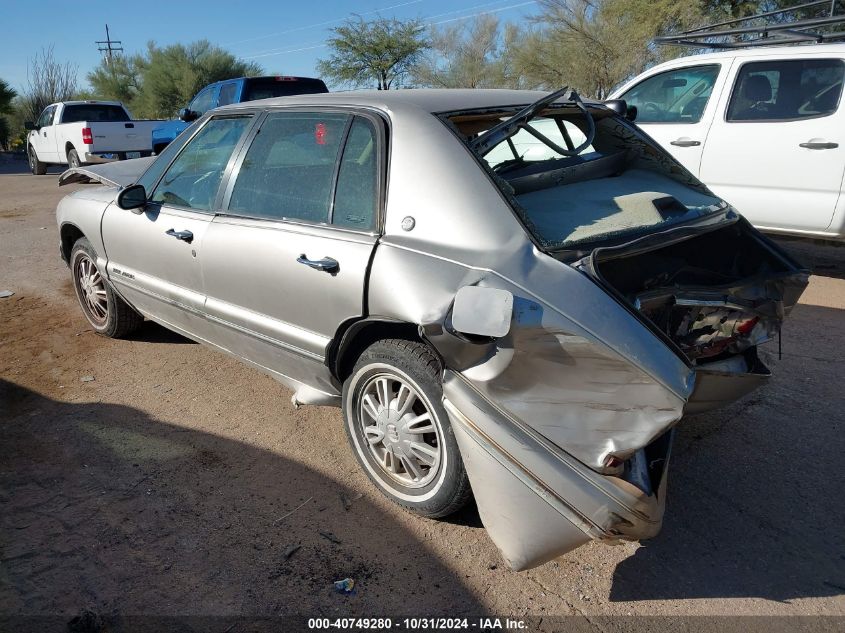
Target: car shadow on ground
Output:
[(755, 494), (152, 332), (825, 259), (104, 509), (12, 164)]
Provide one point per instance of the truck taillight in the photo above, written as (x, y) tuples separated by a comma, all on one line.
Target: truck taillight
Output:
[(87, 137)]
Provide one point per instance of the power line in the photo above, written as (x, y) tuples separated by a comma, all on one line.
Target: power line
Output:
[(473, 15), (294, 48), (327, 22)]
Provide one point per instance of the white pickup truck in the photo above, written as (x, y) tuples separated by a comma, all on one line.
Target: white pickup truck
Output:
[(763, 128), (74, 133)]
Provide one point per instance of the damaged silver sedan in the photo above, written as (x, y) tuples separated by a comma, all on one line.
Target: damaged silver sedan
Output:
[(510, 295)]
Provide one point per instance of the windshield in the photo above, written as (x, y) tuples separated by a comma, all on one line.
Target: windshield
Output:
[(619, 185), (93, 112)]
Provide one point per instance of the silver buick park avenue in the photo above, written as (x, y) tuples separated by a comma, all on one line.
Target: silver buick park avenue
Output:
[(511, 295)]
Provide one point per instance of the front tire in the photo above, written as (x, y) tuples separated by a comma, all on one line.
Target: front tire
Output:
[(400, 432), (107, 313), (35, 166)]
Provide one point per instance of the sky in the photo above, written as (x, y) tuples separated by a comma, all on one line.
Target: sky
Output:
[(284, 37)]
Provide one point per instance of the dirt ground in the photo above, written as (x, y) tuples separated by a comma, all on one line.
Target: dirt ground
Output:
[(179, 481)]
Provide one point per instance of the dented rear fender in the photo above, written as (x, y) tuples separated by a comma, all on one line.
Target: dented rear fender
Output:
[(575, 366)]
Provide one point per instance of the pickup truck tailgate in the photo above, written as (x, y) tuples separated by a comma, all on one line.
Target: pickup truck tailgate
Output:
[(129, 136)]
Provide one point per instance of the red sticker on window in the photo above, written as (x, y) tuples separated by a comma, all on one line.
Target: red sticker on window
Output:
[(320, 133)]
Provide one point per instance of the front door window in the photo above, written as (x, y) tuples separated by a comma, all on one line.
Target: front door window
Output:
[(676, 96), (193, 178)]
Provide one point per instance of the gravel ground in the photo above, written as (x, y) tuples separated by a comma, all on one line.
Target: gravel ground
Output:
[(179, 481)]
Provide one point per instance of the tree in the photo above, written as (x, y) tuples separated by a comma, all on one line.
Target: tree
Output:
[(7, 96), (470, 54), (47, 81), (118, 78), (732, 9), (381, 52), (171, 76), (592, 45)]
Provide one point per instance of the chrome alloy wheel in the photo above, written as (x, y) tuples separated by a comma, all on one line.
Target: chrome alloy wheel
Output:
[(91, 288), (400, 430)]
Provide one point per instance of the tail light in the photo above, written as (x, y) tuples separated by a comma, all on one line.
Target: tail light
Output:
[(320, 133), (87, 137)]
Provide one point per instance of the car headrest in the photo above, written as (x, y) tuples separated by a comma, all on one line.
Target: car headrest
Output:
[(757, 88)]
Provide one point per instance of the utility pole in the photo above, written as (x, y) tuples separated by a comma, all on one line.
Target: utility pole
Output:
[(107, 48)]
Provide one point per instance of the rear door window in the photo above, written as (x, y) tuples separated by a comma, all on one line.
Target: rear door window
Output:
[(356, 193), (675, 96), (786, 90), (193, 178), (288, 171), (228, 92)]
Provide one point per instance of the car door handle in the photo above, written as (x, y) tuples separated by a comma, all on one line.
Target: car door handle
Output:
[(685, 142), (819, 145), (185, 236), (327, 264)]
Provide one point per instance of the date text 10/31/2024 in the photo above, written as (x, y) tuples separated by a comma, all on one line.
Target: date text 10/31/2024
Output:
[(417, 624)]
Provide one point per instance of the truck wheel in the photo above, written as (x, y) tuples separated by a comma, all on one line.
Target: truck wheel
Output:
[(399, 430), (107, 313), (73, 159), (35, 166)]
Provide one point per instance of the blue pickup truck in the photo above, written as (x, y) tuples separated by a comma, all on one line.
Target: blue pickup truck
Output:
[(233, 91)]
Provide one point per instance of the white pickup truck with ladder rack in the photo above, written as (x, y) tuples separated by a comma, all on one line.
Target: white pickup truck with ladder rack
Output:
[(761, 123)]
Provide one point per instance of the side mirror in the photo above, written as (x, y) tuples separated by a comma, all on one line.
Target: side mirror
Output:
[(482, 311), (621, 107), (188, 115), (29, 126), (132, 197)]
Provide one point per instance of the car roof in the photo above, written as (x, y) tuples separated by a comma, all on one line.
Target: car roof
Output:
[(835, 48), (89, 102), (427, 99), (273, 77)]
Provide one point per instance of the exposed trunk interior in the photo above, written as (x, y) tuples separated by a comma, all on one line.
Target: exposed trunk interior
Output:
[(715, 295)]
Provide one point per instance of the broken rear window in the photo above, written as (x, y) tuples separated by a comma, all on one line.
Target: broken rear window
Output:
[(572, 193)]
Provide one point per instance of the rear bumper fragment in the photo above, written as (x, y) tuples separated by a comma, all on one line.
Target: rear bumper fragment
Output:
[(538, 502)]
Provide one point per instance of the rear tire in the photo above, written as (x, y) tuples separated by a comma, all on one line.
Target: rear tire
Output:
[(107, 313), (399, 430), (73, 159), (35, 166)]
